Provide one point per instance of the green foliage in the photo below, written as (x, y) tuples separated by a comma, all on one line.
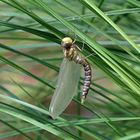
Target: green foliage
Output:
[(31, 33)]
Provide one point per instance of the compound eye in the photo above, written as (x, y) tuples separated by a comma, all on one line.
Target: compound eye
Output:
[(67, 40)]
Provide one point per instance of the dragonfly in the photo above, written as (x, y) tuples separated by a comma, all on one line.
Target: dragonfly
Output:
[(68, 78)]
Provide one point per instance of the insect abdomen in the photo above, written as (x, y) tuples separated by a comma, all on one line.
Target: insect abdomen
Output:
[(87, 80)]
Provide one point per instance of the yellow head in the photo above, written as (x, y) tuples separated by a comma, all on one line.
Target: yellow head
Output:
[(66, 42)]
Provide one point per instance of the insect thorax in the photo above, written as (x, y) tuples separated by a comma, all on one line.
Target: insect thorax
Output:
[(71, 53)]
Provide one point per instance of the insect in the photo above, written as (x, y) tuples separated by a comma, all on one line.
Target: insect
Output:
[(68, 78)]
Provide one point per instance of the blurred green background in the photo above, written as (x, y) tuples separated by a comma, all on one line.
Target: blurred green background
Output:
[(30, 36)]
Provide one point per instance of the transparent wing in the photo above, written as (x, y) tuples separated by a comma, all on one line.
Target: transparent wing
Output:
[(66, 88)]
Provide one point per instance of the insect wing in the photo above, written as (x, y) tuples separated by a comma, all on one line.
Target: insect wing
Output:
[(66, 88)]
